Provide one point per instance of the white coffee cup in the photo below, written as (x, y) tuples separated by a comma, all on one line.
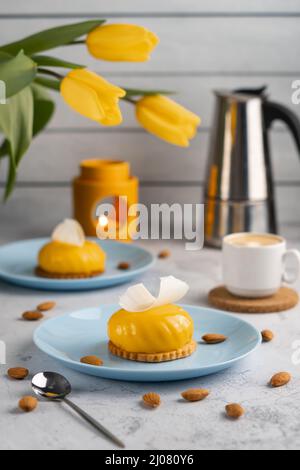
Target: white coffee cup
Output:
[(254, 264)]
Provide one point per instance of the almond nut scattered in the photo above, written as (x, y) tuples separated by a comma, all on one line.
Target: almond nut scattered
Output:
[(124, 266), (32, 316), (234, 411), (92, 361), (152, 400), (18, 373), (214, 338), (195, 394), (164, 254), (28, 404), (46, 306), (280, 379), (267, 336)]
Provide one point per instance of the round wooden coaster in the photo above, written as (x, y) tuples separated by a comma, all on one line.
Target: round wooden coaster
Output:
[(284, 299)]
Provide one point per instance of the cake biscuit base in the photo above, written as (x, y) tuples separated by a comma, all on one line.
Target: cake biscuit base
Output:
[(41, 273), (186, 351)]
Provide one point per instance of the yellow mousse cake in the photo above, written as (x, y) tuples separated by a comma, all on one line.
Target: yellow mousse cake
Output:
[(155, 334), (69, 255)]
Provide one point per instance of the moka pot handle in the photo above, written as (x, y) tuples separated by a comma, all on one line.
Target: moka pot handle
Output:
[(277, 112)]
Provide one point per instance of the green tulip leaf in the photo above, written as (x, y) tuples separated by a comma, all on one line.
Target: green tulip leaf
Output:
[(4, 149), (16, 123), (47, 61), (4, 56), (16, 72), (44, 108), (52, 38)]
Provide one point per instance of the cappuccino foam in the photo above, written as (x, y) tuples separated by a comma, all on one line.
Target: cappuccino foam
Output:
[(255, 241)]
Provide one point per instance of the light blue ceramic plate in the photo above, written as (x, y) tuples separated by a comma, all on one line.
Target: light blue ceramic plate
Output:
[(19, 260), (83, 333)]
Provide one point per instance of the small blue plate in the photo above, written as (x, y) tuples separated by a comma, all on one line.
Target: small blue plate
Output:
[(83, 333), (19, 260)]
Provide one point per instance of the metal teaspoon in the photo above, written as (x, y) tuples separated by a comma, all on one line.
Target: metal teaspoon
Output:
[(54, 386)]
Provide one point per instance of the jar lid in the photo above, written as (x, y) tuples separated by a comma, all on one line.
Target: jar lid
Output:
[(98, 169)]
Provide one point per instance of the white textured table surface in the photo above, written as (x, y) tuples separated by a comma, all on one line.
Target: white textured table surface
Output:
[(273, 416)]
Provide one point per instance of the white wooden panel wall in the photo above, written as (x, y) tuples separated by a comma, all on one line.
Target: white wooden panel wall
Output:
[(245, 44), (71, 7), (204, 45)]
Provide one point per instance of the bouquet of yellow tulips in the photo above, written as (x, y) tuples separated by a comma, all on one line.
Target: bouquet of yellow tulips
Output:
[(26, 75)]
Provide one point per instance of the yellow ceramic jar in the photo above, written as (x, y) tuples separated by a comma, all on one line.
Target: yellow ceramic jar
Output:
[(99, 181)]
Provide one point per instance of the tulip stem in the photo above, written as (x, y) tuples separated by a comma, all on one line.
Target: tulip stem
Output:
[(75, 43), (50, 72), (129, 100)]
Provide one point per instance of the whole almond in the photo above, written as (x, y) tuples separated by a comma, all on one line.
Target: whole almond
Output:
[(46, 306), (92, 361), (234, 411), (32, 316), (28, 404), (214, 338), (124, 266), (152, 400), (18, 373), (164, 254), (267, 336), (280, 379), (195, 394)]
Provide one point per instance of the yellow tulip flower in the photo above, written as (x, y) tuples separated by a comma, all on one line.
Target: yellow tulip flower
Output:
[(167, 119), (93, 96), (121, 43)]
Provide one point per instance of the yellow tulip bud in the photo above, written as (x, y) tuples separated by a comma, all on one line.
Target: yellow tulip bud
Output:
[(93, 97), (167, 120), (121, 43)]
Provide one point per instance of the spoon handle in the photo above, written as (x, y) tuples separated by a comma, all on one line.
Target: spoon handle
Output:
[(94, 423)]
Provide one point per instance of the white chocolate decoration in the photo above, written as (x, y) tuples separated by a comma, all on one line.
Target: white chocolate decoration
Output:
[(69, 232), (139, 299)]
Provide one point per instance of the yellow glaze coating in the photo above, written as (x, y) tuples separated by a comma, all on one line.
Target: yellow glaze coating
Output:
[(158, 330), (62, 258)]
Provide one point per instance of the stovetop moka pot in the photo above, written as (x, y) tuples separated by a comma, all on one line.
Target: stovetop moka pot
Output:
[(239, 192)]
